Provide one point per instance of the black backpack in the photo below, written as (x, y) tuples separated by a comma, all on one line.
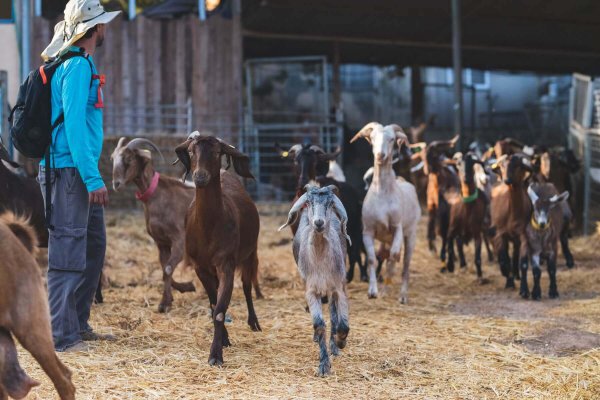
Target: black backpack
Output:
[(30, 119)]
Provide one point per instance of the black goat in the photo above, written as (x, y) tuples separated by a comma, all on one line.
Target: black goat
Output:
[(22, 196), (311, 162)]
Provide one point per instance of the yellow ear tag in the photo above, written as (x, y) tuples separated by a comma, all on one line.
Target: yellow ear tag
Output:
[(494, 165), (285, 154)]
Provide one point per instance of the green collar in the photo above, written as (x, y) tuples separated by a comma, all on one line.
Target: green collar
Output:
[(471, 198)]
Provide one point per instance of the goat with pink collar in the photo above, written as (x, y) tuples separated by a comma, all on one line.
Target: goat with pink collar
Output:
[(165, 201)]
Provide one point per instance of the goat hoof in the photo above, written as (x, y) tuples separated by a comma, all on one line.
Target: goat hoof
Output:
[(553, 294), (164, 308), (333, 348), (349, 278), (372, 295), (254, 325), (324, 368), (364, 278), (510, 284), (215, 362), (404, 300), (524, 294), (536, 294), (443, 270), (570, 263)]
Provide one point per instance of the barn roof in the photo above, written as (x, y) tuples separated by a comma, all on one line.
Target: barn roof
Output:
[(554, 36)]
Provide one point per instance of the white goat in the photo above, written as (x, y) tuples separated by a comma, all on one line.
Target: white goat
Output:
[(320, 253), (391, 208), (335, 171)]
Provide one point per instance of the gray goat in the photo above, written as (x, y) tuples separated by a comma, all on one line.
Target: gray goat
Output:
[(320, 252)]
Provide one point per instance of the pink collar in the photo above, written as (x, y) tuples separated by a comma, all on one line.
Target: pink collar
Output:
[(144, 197)]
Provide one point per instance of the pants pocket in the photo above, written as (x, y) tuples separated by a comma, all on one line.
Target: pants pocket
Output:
[(67, 249)]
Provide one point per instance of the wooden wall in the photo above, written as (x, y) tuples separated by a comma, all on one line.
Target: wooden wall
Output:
[(150, 62)]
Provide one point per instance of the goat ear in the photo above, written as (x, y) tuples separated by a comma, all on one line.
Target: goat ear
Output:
[(329, 156), (334, 189), (559, 197), (184, 157), (293, 214), (341, 212), (241, 162), (532, 194)]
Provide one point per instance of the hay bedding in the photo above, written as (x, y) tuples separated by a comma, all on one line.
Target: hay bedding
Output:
[(455, 339)]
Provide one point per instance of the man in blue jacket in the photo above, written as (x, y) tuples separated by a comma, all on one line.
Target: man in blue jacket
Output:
[(77, 242)]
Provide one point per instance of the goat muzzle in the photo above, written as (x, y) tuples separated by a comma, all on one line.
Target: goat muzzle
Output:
[(201, 179)]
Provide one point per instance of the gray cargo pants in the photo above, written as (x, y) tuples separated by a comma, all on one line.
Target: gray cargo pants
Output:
[(76, 249)]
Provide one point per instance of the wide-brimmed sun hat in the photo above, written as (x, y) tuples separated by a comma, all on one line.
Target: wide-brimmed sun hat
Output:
[(80, 16)]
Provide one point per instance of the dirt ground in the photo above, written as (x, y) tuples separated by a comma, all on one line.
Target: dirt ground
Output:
[(455, 339)]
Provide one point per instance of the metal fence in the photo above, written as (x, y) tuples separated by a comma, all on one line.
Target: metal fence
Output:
[(287, 101), (584, 140), (126, 119)]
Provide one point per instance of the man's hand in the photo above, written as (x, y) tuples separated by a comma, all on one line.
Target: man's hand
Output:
[(99, 196)]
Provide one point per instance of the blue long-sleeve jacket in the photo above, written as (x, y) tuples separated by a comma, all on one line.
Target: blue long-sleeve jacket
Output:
[(77, 142)]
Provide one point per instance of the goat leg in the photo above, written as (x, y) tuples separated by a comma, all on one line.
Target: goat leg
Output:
[(333, 316), (409, 246), (524, 290), (450, 260), (488, 248), (221, 337), (371, 259), (461, 253), (553, 292), (536, 293), (12, 377), (478, 258), (516, 258), (564, 243), (314, 304), (248, 273)]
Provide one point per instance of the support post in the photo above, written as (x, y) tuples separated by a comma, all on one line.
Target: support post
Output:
[(457, 64), (202, 10), (38, 8), (25, 39), (132, 9)]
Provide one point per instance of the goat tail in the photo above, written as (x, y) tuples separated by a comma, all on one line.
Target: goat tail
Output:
[(20, 227)]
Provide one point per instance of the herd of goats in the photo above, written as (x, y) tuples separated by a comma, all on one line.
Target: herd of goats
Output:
[(508, 194)]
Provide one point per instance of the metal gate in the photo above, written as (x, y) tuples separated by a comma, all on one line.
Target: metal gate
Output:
[(584, 140), (287, 102)]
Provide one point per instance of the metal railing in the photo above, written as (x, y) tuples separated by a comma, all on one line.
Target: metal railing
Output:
[(584, 141), (126, 119)]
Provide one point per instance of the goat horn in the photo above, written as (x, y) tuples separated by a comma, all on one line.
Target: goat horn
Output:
[(139, 142), (341, 211), (293, 214), (120, 143), (365, 131)]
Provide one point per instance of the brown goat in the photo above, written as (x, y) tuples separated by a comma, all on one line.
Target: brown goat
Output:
[(441, 178), (24, 313), (550, 213), (221, 229), (467, 215), (510, 211), (165, 205)]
